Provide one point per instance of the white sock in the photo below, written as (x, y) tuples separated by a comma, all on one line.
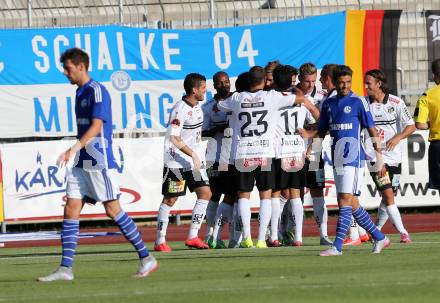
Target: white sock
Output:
[(382, 215), (264, 215), (162, 223), (354, 232), (298, 215), (198, 214), (244, 214), (223, 216), (274, 218), (211, 211), (395, 217), (321, 215)]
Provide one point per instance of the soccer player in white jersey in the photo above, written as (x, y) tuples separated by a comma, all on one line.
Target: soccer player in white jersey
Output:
[(289, 150), (253, 114), (345, 115), (184, 160), (93, 178), (314, 164), (393, 123), (215, 123)]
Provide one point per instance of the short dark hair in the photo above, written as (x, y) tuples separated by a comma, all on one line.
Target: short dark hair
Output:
[(327, 70), (256, 75), (77, 56), (217, 76), (242, 83), (380, 76), (271, 65), (282, 76), (340, 71), (435, 67), (192, 80)]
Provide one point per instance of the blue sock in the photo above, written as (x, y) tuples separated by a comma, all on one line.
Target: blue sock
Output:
[(131, 233), (69, 241), (342, 226), (364, 220)]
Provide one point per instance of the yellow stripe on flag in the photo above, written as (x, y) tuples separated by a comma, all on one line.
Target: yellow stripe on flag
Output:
[(354, 38)]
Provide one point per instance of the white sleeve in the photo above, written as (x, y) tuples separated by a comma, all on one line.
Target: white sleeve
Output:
[(177, 119), (282, 99), (309, 116), (227, 105), (403, 115)]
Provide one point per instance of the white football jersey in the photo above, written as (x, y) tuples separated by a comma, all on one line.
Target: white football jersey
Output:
[(254, 119), (317, 96), (390, 118), (288, 142), (213, 117), (185, 122)]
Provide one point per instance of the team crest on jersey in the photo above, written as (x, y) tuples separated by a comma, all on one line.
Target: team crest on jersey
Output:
[(391, 110), (190, 113), (84, 103), (347, 109)]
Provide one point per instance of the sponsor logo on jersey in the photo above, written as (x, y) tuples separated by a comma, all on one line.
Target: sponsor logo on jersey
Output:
[(341, 126)]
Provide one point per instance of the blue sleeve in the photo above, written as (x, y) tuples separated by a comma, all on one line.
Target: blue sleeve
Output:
[(323, 125), (101, 104), (366, 118)]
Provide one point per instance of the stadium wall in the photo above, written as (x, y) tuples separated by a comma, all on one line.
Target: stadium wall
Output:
[(34, 187)]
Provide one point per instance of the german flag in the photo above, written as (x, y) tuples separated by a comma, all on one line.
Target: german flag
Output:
[(371, 42)]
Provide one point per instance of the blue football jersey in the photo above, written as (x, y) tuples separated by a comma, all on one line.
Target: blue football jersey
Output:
[(345, 117), (93, 102)]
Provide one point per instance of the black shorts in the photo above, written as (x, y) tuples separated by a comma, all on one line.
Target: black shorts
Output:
[(175, 181), (391, 180), (434, 164), (261, 175), (288, 179), (222, 182), (315, 178)]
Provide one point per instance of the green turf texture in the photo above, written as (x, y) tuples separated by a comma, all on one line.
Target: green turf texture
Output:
[(103, 273)]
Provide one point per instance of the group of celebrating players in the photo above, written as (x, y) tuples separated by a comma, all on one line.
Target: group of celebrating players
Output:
[(269, 133)]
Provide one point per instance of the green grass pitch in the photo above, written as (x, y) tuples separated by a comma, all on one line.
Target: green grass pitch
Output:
[(103, 273)]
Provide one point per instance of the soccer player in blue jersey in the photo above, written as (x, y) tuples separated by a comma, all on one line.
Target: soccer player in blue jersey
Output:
[(93, 177), (345, 115)]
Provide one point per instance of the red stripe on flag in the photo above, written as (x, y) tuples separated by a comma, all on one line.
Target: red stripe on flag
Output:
[(372, 34)]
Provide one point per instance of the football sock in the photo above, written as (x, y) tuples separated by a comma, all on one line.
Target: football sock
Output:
[(69, 241), (162, 223), (395, 217), (382, 215), (364, 220), (244, 212), (198, 214), (264, 216), (321, 215), (223, 216), (211, 211), (342, 226), (274, 218), (131, 233), (354, 232), (298, 215)]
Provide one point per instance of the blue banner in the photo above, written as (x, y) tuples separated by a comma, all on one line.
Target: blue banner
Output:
[(31, 56)]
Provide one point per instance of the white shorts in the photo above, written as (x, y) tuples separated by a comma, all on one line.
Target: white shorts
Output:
[(348, 179), (93, 186)]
